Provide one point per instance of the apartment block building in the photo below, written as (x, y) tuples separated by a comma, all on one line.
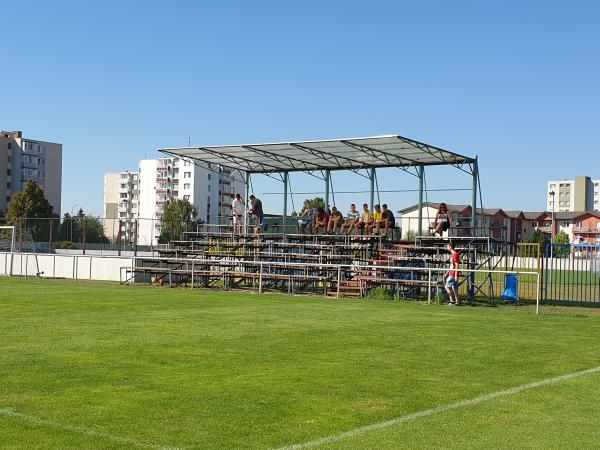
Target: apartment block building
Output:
[(580, 227), (23, 159), (140, 203), (121, 203), (577, 195)]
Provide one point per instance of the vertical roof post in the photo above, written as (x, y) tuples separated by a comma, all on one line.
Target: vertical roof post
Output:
[(327, 181), (475, 174), (285, 200), (372, 189), (421, 172), (246, 199)]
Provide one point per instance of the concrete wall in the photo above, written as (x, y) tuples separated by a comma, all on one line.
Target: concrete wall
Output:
[(88, 267)]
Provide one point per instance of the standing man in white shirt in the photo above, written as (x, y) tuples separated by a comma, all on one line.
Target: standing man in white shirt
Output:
[(237, 210)]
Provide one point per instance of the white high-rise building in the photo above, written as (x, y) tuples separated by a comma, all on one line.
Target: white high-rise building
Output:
[(157, 182), (121, 203), (24, 159), (577, 195)]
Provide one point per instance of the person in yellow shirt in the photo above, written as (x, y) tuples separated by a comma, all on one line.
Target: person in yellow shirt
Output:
[(375, 218), (366, 218)]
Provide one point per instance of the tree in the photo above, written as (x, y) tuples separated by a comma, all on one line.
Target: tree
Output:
[(73, 227), (317, 203), (178, 216), (95, 231), (537, 237), (562, 247), (25, 210)]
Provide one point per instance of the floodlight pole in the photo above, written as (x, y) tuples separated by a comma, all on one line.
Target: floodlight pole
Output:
[(327, 178), (421, 174), (372, 189), (285, 200)]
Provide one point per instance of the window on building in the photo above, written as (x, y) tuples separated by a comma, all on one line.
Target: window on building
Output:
[(7, 185), (186, 197), (9, 145), (7, 171), (209, 188), (187, 174), (187, 163), (186, 185), (123, 186)]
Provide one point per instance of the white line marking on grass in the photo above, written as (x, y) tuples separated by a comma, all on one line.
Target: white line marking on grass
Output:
[(438, 410), (8, 412)]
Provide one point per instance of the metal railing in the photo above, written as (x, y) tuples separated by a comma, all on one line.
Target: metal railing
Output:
[(572, 273)]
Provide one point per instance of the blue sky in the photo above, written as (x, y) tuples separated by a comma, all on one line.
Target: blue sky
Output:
[(514, 82)]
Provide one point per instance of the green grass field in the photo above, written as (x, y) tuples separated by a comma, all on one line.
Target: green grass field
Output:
[(112, 367)]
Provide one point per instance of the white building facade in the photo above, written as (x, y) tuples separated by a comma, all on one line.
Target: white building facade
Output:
[(121, 203), (157, 182), (23, 159), (577, 195)]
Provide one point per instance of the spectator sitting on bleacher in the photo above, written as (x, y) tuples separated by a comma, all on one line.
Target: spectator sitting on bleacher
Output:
[(387, 220), (352, 219), (374, 219), (321, 220), (335, 219), (442, 220), (306, 219), (366, 218)]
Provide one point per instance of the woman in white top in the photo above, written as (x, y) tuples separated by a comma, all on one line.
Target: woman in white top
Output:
[(442, 220)]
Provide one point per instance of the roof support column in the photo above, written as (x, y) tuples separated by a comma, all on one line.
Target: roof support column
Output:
[(475, 172), (474, 231), (246, 200), (285, 200), (372, 189), (327, 178), (421, 174)]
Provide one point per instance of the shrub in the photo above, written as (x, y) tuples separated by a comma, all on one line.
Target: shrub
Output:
[(380, 294), (67, 245)]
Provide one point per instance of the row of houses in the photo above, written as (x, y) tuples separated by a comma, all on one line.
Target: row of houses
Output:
[(508, 226)]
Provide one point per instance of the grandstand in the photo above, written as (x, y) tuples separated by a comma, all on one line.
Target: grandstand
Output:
[(333, 265)]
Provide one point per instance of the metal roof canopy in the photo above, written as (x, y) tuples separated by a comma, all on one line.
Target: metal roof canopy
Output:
[(337, 154), (353, 154)]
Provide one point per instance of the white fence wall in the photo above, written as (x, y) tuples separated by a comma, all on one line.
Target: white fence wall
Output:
[(79, 267)]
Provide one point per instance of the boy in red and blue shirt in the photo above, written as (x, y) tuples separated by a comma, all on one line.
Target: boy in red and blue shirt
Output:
[(451, 276)]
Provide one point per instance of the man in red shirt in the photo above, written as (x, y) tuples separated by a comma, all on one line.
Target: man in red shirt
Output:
[(321, 220), (451, 276)]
